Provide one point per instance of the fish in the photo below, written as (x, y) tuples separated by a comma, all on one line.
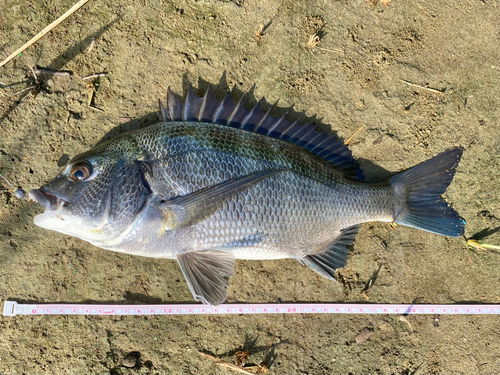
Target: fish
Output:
[(214, 181)]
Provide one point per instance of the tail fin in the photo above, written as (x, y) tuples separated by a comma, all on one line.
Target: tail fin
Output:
[(418, 195)]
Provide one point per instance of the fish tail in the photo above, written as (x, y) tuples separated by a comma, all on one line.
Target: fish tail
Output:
[(418, 196)]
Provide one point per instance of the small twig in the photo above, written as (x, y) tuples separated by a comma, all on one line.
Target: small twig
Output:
[(23, 90), (422, 87), (352, 136), (472, 243), (223, 363), (34, 74), (33, 40), (38, 71), (8, 182), (339, 51), (94, 76), (90, 47), (96, 109)]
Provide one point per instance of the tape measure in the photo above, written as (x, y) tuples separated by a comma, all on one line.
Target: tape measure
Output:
[(12, 308)]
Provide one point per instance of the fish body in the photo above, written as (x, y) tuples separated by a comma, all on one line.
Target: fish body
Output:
[(214, 182)]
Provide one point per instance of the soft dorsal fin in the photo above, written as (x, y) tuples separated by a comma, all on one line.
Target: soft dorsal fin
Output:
[(235, 114)]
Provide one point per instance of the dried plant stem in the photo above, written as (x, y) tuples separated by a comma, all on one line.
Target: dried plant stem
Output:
[(422, 87), (94, 76), (96, 109), (8, 182), (339, 51), (39, 71), (24, 90), (222, 363), (73, 9), (352, 136)]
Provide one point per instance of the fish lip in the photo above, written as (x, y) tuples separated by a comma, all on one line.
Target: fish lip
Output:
[(50, 202)]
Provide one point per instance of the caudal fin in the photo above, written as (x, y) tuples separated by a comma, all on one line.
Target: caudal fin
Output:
[(418, 195)]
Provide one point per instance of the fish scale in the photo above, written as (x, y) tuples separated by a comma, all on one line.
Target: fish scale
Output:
[(213, 182)]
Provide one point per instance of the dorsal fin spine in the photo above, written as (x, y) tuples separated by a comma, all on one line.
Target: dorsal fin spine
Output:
[(262, 119), (238, 106), (312, 140), (174, 106), (312, 129), (286, 131), (300, 127), (321, 143), (218, 110), (202, 106), (163, 111), (185, 107), (248, 116), (275, 125)]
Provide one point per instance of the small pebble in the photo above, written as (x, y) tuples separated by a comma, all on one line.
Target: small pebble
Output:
[(129, 361), (20, 194)]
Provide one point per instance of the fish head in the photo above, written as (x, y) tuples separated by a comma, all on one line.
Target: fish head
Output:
[(96, 196)]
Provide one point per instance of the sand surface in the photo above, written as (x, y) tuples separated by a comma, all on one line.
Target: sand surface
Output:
[(422, 76)]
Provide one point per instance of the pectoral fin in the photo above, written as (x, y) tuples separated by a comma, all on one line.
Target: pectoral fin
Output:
[(194, 208), (207, 273)]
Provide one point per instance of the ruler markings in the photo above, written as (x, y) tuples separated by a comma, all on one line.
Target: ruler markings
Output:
[(12, 308)]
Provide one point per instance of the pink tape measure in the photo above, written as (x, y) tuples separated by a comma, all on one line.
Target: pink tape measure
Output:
[(12, 308)]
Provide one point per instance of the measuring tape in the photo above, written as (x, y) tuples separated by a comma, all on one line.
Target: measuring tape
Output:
[(12, 308)]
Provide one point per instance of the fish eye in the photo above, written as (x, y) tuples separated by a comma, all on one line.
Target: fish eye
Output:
[(81, 171)]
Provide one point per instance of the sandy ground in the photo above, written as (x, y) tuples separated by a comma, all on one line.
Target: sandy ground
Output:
[(422, 76)]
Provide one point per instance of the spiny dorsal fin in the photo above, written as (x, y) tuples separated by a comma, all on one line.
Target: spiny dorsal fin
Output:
[(236, 115)]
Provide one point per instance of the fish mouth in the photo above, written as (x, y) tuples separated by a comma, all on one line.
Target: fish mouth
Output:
[(51, 203)]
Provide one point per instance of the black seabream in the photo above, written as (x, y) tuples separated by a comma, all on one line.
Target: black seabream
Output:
[(213, 182)]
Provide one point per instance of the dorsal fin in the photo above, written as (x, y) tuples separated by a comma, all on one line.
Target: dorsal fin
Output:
[(234, 114)]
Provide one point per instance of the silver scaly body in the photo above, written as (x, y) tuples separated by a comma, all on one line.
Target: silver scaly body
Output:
[(290, 215)]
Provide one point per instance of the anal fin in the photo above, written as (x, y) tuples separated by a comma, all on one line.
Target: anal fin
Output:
[(335, 256), (207, 273)]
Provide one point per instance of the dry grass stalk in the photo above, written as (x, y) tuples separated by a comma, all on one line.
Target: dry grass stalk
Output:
[(352, 136), (96, 109), (92, 76), (223, 363), (37, 71), (90, 46), (422, 87), (336, 50), (38, 36), (313, 41)]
